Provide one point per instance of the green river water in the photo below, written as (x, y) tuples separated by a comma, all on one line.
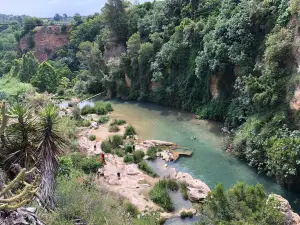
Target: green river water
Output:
[(209, 162)]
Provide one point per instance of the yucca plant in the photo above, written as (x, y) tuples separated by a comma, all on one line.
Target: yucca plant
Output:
[(50, 146), (21, 137)]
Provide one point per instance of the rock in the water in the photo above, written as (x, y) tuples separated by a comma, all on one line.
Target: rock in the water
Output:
[(191, 210), (158, 143), (165, 155), (291, 218), (196, 195)]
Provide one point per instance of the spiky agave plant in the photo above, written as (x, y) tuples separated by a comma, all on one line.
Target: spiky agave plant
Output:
[(50, 146)]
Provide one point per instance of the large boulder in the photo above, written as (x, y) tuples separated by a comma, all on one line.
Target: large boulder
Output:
[(291, 218)]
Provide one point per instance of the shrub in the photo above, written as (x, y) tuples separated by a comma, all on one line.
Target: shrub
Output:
[(138, 156), (128, 148), (83, 123), (146, 168), (185, 214), (108, 107), (151, 152), (131, 209), (128, 159), (106, 146), (103, 119), (76, 113), (160, 196), (118, 122), (87, 110), (90, 165), (114, 129), (65, 166), (129, 131), (184, 190), (61, 92), (119, 152), (92, 137), (116, 141), (101, 108), (172, 185)]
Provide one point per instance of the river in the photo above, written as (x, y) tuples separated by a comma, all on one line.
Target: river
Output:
[(209, 162)]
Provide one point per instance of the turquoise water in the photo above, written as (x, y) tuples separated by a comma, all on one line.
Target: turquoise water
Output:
[(209, 162)]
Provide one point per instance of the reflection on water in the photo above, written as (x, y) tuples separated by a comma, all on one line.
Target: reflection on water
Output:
[(209, 162)]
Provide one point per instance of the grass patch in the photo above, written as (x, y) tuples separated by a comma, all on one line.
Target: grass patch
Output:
[(103, 119), (87, 164), (118, 123), (172, 185), (119, 152), (114, 129), (184, 190), (129, 131), (128, 159), (12, 87), (159, 195), (92, 137), (83, 123), (131, 209), (100, 108), (146, 168), (151, 152)]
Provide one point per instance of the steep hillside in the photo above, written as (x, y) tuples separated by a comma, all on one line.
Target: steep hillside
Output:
[(45, 40)]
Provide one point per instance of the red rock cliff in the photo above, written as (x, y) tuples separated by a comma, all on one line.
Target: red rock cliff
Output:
[(47, 40)]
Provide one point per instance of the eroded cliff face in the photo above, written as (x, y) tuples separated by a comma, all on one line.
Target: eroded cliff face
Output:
[(47, 39)]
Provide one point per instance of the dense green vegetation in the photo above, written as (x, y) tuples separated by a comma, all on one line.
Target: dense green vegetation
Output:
[(241, 204)]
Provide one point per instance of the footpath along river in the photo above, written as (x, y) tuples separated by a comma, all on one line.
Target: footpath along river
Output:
[(209, 162)]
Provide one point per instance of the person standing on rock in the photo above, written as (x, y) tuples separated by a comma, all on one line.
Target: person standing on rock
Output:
[(103, 158)]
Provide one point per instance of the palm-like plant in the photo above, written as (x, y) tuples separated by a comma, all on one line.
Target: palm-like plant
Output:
[(21, 137), (50, 146)]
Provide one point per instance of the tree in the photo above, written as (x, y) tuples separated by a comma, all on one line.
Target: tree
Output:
[(49, 147), (31, 22), (57, 17), (241, 204), (28, 68), (46, 78), (65, 16), (78, 19), (116, 19)]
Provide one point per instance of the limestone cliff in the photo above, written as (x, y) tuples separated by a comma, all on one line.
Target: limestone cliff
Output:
[(47, 39)]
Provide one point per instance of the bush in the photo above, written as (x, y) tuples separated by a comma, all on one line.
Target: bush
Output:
[(128, 148), (101, 108), (128, 159), (131, 209), (90, 165), (151, 152), (184, 190), (87, 110), (146, 168), (76, 113), (138, 156), (119, 152), (61, 92), (184, 214), (92, 137), (87, 164), (65, 166), (116, 141), (172, 185), (129, 131), (103, 119), (106, 146), (118, 122), (160, 196), (83, 123), (108, 107), (114, 129)]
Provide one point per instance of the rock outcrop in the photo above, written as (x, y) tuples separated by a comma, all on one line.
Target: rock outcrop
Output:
[(47, 39), (197, 190), (291, 218)]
